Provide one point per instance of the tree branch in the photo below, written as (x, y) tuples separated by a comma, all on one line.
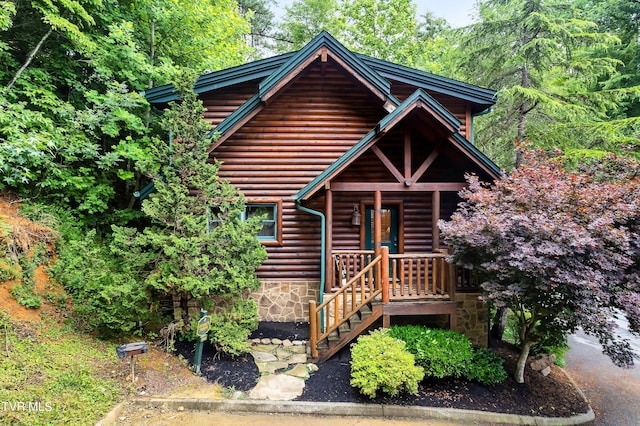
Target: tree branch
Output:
[(32, 55)]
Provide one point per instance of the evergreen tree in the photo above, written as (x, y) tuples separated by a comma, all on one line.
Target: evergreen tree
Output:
[(539, 54), (202, 250)]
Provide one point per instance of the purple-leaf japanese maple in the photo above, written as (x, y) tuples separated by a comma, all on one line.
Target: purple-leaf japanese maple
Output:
[(559, 248)]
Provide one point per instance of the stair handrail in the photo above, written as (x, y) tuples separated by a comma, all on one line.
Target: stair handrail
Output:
[(317, 331)]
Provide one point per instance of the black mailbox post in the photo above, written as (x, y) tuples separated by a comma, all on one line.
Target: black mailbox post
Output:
[(132, 349)]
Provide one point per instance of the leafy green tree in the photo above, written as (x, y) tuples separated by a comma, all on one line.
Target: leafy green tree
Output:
[(305, 19), (261, 19), (437, 42), (201, 249), (558, 248), (72, 120), (201, 36), (382, 29)]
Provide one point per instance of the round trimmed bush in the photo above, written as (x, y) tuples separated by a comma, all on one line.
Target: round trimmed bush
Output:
[(380, 362)]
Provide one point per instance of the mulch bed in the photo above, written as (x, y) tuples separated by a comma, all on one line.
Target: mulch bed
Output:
[(551, 396)]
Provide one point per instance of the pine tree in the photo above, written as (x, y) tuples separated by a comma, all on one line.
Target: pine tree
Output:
[(202, 250)]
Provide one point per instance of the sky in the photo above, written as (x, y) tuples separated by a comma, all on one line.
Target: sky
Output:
[(456, 12)]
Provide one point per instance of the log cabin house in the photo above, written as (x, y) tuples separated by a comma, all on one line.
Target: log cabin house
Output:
[(354, 160)]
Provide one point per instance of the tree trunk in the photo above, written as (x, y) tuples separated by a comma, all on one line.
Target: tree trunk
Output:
[(499, 323), (522, 362)]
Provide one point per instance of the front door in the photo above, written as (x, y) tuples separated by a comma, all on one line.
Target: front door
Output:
[(390, 227)]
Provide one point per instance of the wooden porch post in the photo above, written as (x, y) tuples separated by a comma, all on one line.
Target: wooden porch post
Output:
[(384, 272), (330, 273), (313, 329), (435, 217), (377, 223)]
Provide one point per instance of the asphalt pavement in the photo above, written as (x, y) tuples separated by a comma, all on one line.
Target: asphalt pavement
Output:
[(613, 392)]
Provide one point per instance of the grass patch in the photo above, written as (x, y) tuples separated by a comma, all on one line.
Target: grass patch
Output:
[(50, 375)]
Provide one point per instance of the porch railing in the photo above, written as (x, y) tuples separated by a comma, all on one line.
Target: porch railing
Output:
[(421, 276), (347, 264), (358, 291), (411, 275)]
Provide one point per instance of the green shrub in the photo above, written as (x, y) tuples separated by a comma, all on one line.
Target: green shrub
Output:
[(24, 293), (485, 367), (442, 353), (230, 326), (552, 338), (107, 294), (381, 362)]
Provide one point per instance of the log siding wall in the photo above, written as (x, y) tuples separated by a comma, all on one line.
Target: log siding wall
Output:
[(295, 137)]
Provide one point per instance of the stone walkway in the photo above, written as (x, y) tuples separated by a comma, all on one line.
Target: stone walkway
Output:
[(283, 368)]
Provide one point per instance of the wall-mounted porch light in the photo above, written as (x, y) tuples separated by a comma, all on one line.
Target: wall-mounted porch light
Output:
[(355, 217)]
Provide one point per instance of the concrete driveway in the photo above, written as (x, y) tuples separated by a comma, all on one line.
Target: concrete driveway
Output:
[(613, 392)]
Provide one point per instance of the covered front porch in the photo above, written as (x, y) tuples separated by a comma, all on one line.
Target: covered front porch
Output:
[(379, 279)]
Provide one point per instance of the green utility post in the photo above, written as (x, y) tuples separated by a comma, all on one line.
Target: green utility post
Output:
[(203, 328)]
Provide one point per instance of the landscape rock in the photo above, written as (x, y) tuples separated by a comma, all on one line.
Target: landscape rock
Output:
[(259, 356), (298, 359), (542, 362), (278, 387), (300, 371)]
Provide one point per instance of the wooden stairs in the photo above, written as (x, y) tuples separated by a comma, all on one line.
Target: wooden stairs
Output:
[(350, 310), (365, 298), (353, 327)]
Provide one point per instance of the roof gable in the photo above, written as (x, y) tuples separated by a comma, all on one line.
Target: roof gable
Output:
[(419, 100), (322, 46)]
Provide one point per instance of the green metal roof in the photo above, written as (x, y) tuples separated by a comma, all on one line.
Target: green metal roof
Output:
[(382, 126), (256, 70), (482, 97), (378, 72)]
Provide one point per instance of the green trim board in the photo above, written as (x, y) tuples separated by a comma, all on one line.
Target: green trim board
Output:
[(235, 117), (390, 121)]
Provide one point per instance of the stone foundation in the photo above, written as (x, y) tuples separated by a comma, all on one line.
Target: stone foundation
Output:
[(286, 301), (289, 302), (473, 318)]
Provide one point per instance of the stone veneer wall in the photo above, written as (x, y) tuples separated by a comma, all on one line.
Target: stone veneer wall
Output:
[(472, 316), (289, 301), (286, 301)]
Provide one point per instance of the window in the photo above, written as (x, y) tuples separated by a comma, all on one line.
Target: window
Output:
[(269, 214)]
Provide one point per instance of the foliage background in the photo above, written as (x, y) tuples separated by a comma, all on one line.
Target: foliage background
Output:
[(76, 130)]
